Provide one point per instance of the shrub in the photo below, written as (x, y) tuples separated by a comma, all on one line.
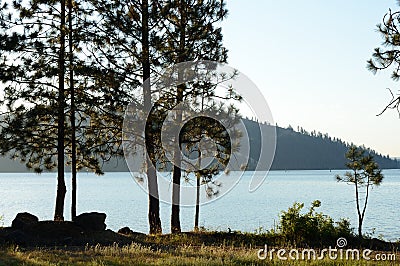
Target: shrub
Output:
[(311, 228)]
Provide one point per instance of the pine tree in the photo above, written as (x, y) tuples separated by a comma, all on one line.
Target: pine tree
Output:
[(36, 128), (96, 99), (61, 188), (32, 68), (154, 205), (206, 137), (129, 29), (388, 56), (190, 34), (364, 173), (72, 111)]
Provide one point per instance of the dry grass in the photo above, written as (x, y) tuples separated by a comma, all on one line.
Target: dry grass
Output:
[(136, 254)]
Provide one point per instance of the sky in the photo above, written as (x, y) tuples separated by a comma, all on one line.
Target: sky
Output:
[(309, 60)]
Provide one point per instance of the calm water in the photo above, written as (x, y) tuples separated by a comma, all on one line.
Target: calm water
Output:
[(118, 195)]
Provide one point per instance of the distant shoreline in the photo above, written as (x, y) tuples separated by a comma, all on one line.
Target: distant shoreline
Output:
[(272, 170)]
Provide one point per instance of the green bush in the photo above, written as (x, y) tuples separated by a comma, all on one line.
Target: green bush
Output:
[(311, 228)]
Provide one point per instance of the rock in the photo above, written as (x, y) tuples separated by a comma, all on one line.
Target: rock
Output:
[(17, 237), (53, 233), (52, 229), (378, 244), (23, 220), (125, 231), (67, 241), (92, 221)]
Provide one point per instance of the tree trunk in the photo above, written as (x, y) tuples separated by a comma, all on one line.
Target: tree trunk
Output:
[(154, 203), (360, 218), (176, 176), (177, 172), (61, 189), (197, 211), (175, 217), (72, 115)]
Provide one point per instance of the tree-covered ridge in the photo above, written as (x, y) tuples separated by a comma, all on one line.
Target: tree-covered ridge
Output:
[(313, 150), (302, 150), (296, 149)]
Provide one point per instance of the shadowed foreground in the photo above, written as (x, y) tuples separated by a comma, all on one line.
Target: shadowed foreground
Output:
[(205, 248), (135, 254)]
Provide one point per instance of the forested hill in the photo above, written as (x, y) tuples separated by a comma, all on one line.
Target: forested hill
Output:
[(296, 149), (299, 149)]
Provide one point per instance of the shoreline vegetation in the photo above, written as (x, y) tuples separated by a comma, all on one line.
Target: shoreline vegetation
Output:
[(188, 248), (87, 242)]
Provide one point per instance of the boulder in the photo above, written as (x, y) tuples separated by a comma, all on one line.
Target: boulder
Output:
[(23, 220), (93, 221), (54, 230), (53, 233), (125, 231), (17, 237)]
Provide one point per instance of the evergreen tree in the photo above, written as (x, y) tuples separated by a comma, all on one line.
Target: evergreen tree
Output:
[(61, 189), (32, 68), (72, 111), (97, 101), (388, 56), (364, 173), (125, 42), (190, 34), (206, 137), (35, 127)]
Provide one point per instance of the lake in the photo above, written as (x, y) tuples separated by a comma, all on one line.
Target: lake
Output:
[(125, 203)]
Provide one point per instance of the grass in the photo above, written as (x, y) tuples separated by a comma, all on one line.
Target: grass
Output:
[(137, 254), (196, 248)]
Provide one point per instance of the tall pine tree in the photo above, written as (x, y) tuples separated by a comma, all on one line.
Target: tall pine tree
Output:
[(190, 33), (33, 69), (130, 30), (36, 127)]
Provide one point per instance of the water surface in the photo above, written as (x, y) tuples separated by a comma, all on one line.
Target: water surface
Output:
[(118, 195)]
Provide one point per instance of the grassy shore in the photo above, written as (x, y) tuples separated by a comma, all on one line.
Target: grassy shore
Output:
[(135, 254), (65, 243), (165, 250)]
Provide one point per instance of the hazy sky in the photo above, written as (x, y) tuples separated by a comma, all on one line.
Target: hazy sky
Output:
[(309, 60)]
